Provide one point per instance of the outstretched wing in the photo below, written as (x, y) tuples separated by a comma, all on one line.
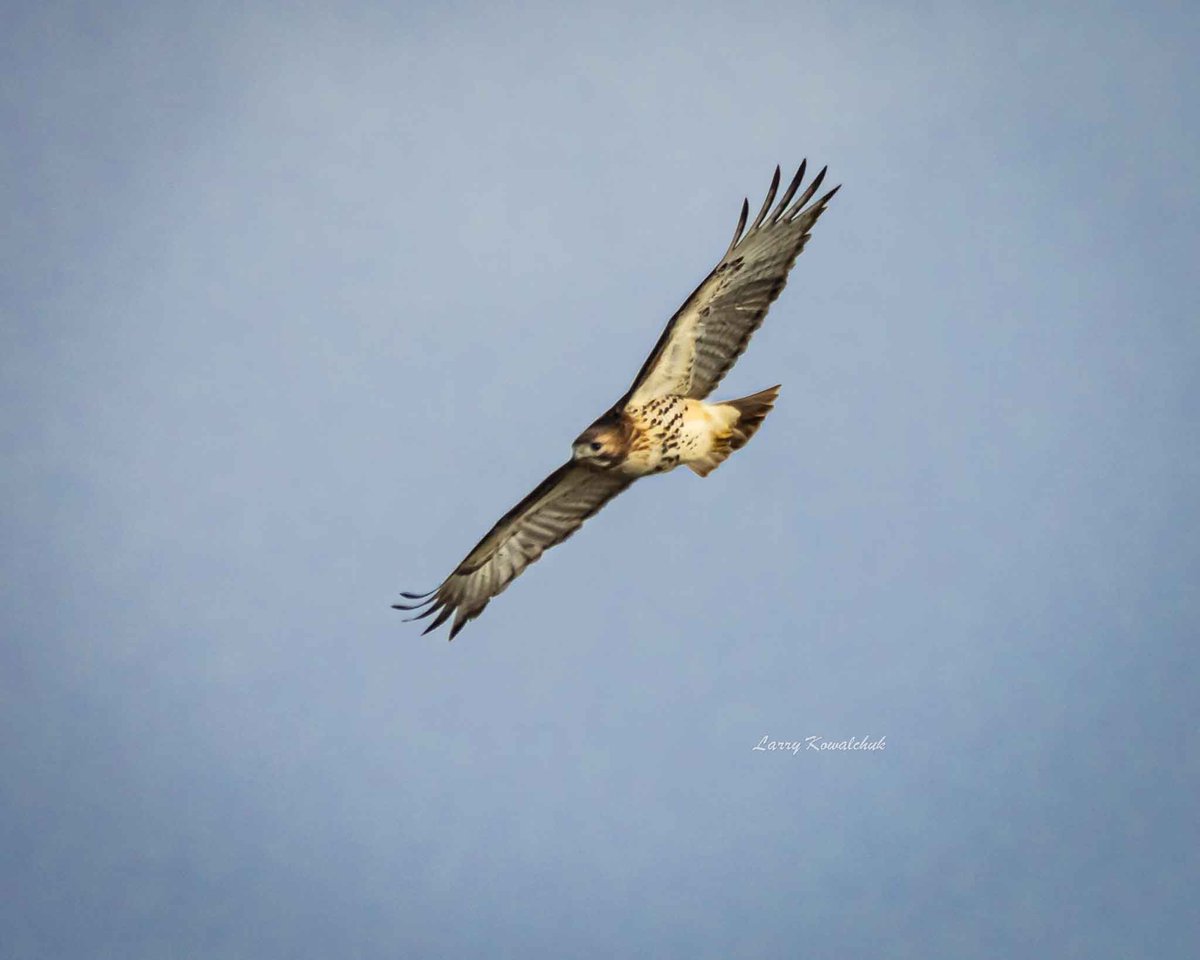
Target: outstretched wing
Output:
[(713, 326), (550, 514)]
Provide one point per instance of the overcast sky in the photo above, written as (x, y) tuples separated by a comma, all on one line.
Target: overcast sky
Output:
[(298, 299)]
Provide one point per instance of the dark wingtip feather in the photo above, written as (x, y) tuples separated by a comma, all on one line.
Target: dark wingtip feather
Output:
[(790, 192), (768, 201), (418, 596), (741, 225), (425, 613), (811, 189), (412, 606), (465, 620), (441, 618)]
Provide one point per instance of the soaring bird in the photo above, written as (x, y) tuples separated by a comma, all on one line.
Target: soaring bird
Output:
[(663, 420)]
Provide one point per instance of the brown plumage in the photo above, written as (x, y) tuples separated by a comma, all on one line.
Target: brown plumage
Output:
[(662, 421)]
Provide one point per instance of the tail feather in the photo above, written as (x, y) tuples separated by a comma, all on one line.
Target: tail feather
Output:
[(747, 416), (752, 410)]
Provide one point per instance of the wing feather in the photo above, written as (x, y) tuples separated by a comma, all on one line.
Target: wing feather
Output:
[(555, 509), (762, 213), (790, 192), (711, 330)]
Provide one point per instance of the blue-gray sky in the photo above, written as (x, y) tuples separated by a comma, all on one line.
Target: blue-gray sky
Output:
[(297, 299)]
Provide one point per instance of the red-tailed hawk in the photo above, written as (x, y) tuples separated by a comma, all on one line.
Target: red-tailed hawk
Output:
[(662, 421)]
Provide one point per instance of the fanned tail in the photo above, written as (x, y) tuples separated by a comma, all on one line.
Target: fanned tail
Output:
[(752, 411), (745, 416)]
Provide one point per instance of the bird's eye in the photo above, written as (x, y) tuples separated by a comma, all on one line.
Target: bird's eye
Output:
[(596, 444)]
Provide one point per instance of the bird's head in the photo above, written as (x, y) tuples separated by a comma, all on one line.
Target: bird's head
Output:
[(604, 444)]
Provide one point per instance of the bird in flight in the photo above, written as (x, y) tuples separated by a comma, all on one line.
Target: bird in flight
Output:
[(662, 421)]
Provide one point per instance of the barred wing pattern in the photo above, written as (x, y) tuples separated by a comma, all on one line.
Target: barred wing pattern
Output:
[(715, 323), (550, 514)]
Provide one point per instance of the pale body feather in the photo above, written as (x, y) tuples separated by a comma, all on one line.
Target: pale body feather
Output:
[(676, 431)]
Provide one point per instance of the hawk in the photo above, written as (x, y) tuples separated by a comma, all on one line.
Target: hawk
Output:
[(662, 421)]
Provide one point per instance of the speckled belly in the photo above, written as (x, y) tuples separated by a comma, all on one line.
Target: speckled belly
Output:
[(668, 431)]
